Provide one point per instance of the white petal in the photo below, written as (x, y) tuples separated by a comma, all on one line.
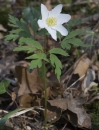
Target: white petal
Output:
[(56, 11), (40, 23), (44, 11), (61, 29), (52, 33), (63, 18)]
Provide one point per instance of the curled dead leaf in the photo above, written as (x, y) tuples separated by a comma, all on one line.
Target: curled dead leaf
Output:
[(60, 103), (28, 100), (83, 118), (82, 66), (53, 112), (28, 82)]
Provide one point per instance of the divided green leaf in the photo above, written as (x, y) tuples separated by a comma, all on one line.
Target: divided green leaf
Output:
[(41, 56), (11, 37), (30, 41), (58, 51), (16, 31), (36, 63), (24, 48), (72, 34), (22, 29), (56, 63), (65, 45), (74, 41)]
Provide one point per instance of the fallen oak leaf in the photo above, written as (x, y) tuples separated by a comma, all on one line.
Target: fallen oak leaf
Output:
[(29, 100), (33, 83), (79, 70), (28, 82), (60, 103), (53, 112), (83, 118), (82, 66)]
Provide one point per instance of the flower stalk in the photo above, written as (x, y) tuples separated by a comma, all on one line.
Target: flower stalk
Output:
[(45, 85)]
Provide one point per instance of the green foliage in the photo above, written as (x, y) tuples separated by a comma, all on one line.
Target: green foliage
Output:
[(24, 48), (3, 86), (59, 35), (30, 41), (27, 43), (37, 60), (31, 45), (56, 63), (71, 39), (21, 29), (36, 63), (38, 56), (74, 33), (11, 37), (31, 15), (58, 51)]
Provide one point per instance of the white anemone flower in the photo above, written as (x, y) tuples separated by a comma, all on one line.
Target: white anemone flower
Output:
[(53, 20)]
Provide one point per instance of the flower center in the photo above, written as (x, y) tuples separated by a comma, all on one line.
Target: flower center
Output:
[(51, 21)]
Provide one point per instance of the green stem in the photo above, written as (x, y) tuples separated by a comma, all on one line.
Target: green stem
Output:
[(45, 87)]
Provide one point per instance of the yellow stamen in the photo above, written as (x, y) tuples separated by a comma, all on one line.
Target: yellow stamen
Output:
[(51, 21)]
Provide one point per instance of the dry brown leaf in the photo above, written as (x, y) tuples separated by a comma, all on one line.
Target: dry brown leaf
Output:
[(72, 105), (61, 103), (28, 82), (28, 100), (32, 83), (2, 28), (95, 68), (53, 112), (72, 117), (55, 89), (82, 67), (83, 118)]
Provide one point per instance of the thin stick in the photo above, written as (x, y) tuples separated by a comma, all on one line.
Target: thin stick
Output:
[(64, 126), (75, 82)]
